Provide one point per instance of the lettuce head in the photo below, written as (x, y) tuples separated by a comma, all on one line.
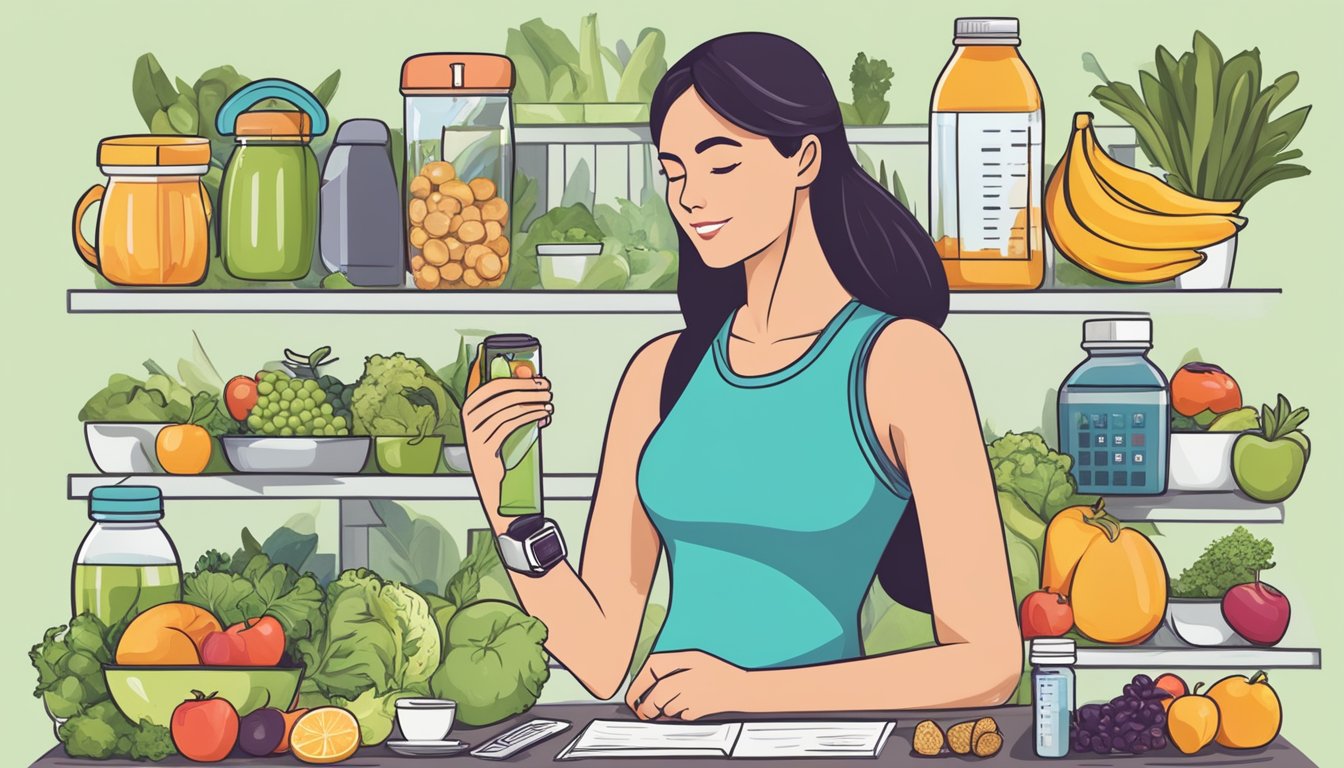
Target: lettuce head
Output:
[(399, 395), (495, 664)]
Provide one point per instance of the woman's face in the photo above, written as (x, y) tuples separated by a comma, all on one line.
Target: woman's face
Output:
[(731, 191)]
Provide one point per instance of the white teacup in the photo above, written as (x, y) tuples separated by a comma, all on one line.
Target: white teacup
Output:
[(425, 719)]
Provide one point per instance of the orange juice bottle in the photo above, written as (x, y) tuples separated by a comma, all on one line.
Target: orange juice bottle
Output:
[(985, 162)]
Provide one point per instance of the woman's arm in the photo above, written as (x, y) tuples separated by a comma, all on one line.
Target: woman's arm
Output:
[(593, 615), (921, 402)]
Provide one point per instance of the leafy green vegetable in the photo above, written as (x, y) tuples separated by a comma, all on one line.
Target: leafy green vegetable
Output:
[(399, 395), (413, 549), (378, 635), (160, 398), (495, 665), (523, 269), (1226, 562), (254, 586), (869, 80), (1207, 122), (1025, 467), (646, 236), (551, 69)]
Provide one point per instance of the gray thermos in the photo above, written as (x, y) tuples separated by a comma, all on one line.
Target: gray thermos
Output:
[(361, 233)]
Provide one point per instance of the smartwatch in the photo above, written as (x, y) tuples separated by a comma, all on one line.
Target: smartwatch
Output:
[(532, 544)]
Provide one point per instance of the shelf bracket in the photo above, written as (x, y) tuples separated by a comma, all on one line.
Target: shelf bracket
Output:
[(357, 517)]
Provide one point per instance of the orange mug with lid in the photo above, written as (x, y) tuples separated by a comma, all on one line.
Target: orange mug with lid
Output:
[(153, 225)]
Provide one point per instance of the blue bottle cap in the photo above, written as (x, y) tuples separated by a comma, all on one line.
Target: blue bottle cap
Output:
[(126, 503)]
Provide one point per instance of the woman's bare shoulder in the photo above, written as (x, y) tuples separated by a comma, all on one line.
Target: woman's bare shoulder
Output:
[(915, 356)]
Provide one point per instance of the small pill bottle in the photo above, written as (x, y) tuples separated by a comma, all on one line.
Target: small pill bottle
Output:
[(1052, 693)]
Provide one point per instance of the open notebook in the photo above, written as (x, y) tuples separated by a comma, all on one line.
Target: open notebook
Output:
[(822, 738)]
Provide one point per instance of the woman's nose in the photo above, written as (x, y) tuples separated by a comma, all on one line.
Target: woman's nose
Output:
[(690, 198)]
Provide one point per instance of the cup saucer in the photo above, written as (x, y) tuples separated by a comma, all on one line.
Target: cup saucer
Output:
[(427, 748)]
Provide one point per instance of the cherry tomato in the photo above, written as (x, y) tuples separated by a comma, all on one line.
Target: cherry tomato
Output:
[(204, 729)]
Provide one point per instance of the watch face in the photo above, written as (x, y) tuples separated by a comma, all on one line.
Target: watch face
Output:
[(547, 549)]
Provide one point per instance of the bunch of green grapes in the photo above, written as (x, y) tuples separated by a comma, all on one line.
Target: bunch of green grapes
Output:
[(288, 407)]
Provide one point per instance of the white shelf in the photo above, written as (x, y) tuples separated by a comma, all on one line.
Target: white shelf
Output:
[(558, 487), (1043, 302), (1189, 657), (1179, 507)]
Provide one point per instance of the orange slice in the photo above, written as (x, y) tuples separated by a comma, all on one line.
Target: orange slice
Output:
[(325, 735)]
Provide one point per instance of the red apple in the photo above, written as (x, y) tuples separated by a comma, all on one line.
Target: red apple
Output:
[(1257, 612), (1046, 614), (264, 640), (223, 649)]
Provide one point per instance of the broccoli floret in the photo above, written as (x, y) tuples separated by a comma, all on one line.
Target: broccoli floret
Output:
[(1026, 467), (88, 736), (150, 742), (1231, 560)]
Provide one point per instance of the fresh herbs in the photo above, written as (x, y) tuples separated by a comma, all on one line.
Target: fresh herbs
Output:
[(1208, 122), (1281, 420), (551, 69), (869, 80), (1231, 560)]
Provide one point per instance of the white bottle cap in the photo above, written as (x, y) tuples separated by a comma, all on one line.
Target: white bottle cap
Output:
[(1118, 333), (986, 31), (1053, 652)]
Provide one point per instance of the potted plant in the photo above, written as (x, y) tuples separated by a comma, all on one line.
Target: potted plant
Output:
[(558, 82), (1210, 125)]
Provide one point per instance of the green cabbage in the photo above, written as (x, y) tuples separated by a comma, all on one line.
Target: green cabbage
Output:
[(399, 395), (495, 663)]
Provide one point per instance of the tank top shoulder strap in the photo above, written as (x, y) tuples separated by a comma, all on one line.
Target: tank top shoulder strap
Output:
[(868, 324)]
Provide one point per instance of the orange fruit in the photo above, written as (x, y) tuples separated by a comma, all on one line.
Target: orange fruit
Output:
[(325, 735), (183, 449), (166, 635)]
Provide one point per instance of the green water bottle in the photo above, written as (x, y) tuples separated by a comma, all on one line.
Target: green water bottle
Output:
[(126, 562), (516, 355)]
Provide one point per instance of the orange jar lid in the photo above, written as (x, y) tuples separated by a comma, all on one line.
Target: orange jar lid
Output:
[(149, 150), (450, 73), (275, 124)]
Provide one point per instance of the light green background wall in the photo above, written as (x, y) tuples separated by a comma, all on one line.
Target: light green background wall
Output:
[(68, 83)]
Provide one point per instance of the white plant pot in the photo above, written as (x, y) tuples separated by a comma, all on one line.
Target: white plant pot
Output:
[(1215, 272)]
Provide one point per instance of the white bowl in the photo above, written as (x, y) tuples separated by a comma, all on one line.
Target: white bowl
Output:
[(1201, 461), (1200, 621), (123, 448), (455, 459), (296, 455), (563, 266)]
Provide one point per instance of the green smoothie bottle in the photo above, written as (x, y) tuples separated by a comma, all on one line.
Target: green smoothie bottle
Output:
[(269, 196), (126, 563), (516, 355)]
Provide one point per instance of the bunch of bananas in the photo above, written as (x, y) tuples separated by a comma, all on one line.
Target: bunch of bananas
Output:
[(1126, 225)]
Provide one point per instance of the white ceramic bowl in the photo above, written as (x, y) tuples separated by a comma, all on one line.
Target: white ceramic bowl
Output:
[(455, 459), (123, 448), (425, 719), (1200, 622), (562, 266), (296, 455), (1201, 461)]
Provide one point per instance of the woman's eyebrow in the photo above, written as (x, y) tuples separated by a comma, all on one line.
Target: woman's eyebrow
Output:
[(715, 141)]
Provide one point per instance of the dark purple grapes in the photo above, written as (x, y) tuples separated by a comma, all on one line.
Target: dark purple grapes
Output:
[(1083, 741), (1143, 681), (1121, 718), (1159, 742)]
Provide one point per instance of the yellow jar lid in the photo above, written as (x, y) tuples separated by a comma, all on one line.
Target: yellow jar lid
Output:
[(148, 150)]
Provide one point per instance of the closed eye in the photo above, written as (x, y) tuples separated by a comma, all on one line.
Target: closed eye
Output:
[(670, 179), (724, 169)]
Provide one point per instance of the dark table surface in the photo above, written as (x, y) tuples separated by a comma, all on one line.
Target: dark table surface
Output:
[(1014, 723)]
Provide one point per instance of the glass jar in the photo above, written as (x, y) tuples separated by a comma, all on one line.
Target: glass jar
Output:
[(516, 356), (459, 168), (1053, 694), (126, 562), (1114, 412), (269, 196), (153, 226), (986, 134)]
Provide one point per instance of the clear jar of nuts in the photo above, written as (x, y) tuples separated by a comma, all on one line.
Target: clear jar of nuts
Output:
[(459, 169)]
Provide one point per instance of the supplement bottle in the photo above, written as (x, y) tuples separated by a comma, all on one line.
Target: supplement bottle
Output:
[(1052, 694)]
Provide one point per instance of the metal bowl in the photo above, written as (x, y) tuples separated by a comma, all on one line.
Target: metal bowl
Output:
[(296, 455)]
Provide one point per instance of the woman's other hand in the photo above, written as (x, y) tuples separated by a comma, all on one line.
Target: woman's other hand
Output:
[(685, 685), (490, 414)]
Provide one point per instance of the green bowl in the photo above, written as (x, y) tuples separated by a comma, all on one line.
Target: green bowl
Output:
[(400, 456), (152, 693)]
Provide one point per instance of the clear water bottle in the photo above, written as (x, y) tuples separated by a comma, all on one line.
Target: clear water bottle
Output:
[(1114, 412), (126, 562), (1053, 694)]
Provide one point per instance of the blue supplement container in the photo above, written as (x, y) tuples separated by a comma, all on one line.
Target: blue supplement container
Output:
[(1053, 694), (1114, 412)]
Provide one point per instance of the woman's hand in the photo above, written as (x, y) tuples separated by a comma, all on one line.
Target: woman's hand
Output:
[(490, 414), (686, 685)]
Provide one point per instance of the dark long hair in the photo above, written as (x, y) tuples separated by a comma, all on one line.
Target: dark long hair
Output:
[(770, 86)]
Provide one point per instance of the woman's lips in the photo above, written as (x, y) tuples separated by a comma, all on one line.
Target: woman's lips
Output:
[(708, 229)]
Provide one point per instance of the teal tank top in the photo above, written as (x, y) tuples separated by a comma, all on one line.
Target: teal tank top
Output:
[(774, 502)]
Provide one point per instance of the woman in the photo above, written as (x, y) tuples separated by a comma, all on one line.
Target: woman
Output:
[(773, 445)]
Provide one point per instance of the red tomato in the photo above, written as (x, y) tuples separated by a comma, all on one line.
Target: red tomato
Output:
[(224, 649), (204, 729), (1046, 614), (263, 641), (1198, 387), (240, 395)]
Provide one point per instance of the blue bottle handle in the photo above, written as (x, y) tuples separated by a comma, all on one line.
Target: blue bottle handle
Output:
[(270, 88)]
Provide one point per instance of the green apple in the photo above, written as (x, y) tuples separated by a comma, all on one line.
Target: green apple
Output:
[(1268, 465), (1240, 420)]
